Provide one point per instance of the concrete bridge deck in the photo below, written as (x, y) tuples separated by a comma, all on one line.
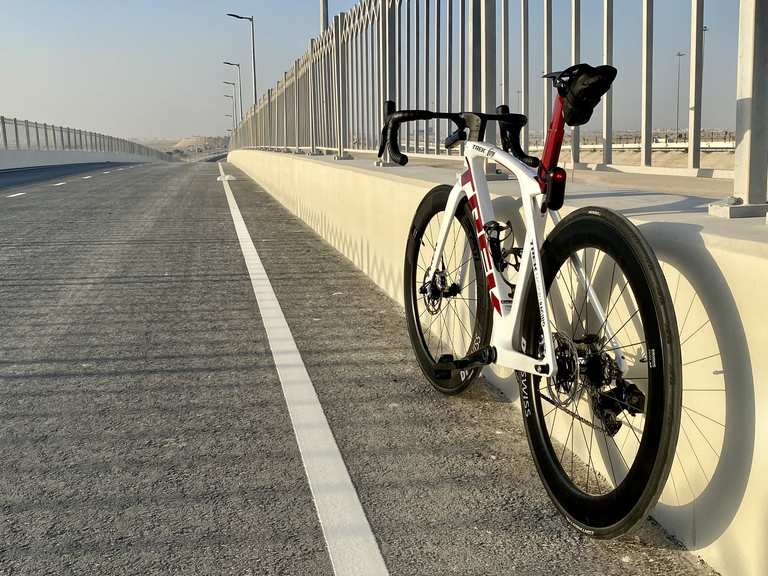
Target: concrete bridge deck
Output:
[(716, 269), (143, 427)]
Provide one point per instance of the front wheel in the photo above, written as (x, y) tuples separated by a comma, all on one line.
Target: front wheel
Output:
[(449, 313), (603, 432)]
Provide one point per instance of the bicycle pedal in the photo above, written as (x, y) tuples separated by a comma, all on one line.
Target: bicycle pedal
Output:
[(447, 364)]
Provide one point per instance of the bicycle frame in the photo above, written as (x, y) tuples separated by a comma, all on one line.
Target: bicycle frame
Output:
[(472, 185)]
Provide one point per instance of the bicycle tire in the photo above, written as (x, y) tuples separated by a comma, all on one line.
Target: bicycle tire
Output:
[(620, 509), (431, 206)]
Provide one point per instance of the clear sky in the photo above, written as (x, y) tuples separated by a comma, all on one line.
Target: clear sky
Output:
[(152, 68)]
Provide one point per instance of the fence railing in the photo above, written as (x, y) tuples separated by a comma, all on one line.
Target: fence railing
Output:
[(443, 54), (18, 134)]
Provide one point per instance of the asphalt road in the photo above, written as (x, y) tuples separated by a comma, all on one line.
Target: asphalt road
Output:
[(143, 428)]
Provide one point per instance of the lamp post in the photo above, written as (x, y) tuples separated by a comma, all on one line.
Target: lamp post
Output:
[(239, 86), (234, 91), (679, 57), (253, 50), (234, 111)]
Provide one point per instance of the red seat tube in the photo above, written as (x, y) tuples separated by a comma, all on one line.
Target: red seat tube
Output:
[(554, 139)]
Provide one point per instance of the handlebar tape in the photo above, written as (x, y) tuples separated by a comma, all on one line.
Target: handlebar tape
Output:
[(390, 132)]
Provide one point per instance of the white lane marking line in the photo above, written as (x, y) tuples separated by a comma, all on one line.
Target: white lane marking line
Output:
[(119, 169), (17, 194), (87, 177), (60, 184), (107, 172), (351, 544)]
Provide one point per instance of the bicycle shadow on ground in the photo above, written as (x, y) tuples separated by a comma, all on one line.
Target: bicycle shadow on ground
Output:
[(717, 431)]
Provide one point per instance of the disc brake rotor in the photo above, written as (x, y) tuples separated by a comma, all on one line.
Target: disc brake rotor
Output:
[(566, 387)]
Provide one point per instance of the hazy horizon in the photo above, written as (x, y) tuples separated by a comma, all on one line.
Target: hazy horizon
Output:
[(146, 70)]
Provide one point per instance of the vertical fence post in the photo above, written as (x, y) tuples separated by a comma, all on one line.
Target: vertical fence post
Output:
[(426, 74), (16, 133), (296, 117), (37, 135), (26, 132), (340, 75), (354, 40), (3, 134), (416, 68), (438, 72), (575, 58), (488, 63), (45, 132), (284, 106), (408, 71), (474, 48), (387, 63), (646, 123), (608, 98), (312, 99), (547, 68), (505, 52), (449, 61), (463, 56), (694, 101), (524, 72), (750, 182), (399, 52), (270, 131)]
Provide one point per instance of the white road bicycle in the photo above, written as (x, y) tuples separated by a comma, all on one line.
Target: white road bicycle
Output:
[(582, 314)]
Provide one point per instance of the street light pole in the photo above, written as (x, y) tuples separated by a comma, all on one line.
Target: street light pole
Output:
[(234, 111), (234, 100), (239, 86), (253, 51), (679, 56)]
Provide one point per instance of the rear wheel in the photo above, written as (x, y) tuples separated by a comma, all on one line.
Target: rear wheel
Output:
[(603, 432), (449, 314)]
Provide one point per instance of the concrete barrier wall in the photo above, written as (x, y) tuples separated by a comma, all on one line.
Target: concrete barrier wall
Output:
[(13, 159), (716, 500)]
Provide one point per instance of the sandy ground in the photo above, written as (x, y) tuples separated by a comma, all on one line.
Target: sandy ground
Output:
[(665, 158)]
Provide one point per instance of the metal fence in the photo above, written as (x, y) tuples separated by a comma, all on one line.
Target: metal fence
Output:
[(443, 54), (18, 134)]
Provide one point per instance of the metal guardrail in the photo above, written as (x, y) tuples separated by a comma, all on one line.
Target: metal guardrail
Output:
[(442, 55), (25, 135)]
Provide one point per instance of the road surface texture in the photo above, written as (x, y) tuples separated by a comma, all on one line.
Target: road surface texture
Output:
[(143, 428)]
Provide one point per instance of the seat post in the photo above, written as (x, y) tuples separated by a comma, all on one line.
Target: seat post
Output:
[(555, 135)]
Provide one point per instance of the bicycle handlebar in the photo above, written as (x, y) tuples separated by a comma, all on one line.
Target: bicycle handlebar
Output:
[(391, 129), (510, 126)]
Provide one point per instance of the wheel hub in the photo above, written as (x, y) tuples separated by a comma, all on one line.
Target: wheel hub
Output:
[(565, 387), (436, 289)]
